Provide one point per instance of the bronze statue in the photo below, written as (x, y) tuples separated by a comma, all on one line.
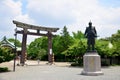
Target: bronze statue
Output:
[(90, 34)]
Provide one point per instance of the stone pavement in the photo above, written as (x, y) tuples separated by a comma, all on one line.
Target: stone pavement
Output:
[(59, 71)]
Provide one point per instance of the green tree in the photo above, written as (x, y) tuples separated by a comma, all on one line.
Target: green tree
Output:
[(115, 39), (77, 49), (102, 46), (61, 43), (6, 54), (37, 48), (66, 40), (18, 44), (78, 35), (57, 47)]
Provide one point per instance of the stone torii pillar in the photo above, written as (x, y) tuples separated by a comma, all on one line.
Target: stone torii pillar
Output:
[(24, 40), (50, 54)]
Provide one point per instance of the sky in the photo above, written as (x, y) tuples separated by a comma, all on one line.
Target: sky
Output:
[(74, 14)]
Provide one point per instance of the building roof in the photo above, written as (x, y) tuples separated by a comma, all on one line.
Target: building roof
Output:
[(6, 43)]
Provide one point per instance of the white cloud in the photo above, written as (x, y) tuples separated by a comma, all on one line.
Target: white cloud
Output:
[(75, 14), (79, 13), (11, 10), (8, 10), (14, 7), (24, 18)]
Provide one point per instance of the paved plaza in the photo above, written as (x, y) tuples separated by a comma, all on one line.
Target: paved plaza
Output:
[(59, 71)]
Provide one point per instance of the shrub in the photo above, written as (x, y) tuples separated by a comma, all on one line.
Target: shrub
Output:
[(4, 69), (5, 54)]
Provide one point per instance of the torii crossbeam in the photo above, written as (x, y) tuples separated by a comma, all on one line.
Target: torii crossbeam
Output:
[(25, 32)]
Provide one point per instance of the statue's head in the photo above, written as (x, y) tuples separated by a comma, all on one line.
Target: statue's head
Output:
[(90, 23)]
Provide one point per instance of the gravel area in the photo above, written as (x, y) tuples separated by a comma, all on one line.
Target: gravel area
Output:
[(59, 71)]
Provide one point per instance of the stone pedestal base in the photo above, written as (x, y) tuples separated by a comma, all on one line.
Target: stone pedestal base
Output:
[(92, 64)]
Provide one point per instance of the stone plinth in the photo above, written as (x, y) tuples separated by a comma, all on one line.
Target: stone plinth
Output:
[(92, 64)]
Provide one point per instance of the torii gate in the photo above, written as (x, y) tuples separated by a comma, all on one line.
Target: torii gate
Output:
[(25, 32)]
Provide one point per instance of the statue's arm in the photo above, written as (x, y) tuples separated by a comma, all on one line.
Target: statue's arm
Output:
[(95, 31), (86, 32)]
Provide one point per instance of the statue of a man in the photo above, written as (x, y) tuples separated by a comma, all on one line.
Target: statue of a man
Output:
[(90, 34)]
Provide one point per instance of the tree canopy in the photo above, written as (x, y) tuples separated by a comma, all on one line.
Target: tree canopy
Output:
[(18, 44), (72, 48)]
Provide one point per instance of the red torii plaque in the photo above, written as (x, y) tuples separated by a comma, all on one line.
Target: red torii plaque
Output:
[(25, 32)]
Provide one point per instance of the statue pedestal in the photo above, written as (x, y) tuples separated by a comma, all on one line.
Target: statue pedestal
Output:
[(92, 64)]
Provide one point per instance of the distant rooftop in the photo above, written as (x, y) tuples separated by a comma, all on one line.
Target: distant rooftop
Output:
[(6, 43)]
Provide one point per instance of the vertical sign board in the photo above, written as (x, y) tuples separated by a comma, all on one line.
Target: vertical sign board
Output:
[(50, 51)]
